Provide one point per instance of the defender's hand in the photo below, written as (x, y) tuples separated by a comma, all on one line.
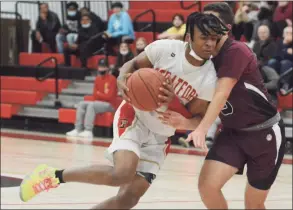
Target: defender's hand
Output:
[(173, 119), (198, 137)]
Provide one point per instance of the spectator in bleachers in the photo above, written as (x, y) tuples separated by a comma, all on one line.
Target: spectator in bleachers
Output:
[(264, 17), (120, 28), (265, 48), (48, 25), (124, 55), (86, 31), (244, 20), (177, 31), (104, 93), (283, 59), (96, 20), (68, 33), (282, 18), (140, 44)]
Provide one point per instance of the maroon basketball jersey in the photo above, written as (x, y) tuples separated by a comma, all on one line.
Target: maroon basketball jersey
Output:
[(249, 102)]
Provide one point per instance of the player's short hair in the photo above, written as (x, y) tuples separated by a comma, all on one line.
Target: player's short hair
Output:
[(225, 11), (204, 22)]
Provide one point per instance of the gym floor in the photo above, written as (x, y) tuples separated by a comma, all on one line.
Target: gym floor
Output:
[(174, 188)]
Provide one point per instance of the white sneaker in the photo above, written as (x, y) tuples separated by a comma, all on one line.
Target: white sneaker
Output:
[(73, 133), (86, 135)]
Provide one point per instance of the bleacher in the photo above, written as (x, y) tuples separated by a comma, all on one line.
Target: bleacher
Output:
[(28, 103)]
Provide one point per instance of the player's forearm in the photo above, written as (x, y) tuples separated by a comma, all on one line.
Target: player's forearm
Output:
[(190, 124), (127, 68), (213, 111)]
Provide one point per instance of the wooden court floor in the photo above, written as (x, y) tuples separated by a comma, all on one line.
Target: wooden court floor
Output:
[(174, 188)]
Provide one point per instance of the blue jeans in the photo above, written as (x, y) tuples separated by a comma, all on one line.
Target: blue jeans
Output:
[(280, 66), (285, 66), (61, 38)]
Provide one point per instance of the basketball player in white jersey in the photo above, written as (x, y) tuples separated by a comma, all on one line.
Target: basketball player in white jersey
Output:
[(140, 141)]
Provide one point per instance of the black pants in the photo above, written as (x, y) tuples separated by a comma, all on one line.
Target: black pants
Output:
[(78, 52), (242, 28), (47, 38)]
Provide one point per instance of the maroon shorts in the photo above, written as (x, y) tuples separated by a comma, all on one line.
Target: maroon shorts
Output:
[(262, 151)]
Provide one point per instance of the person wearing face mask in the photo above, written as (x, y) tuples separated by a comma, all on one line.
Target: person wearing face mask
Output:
[(120, 28), (86, 31), (68, 33), (177, 31), (140, 44), (104, 93), (124, 56)]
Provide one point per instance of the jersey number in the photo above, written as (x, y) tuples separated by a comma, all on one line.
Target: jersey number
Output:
[(227, 109)]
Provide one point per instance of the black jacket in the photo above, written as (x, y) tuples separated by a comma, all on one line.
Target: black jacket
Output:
[(49, 27), (98, 22), (265, 50), (121, 59), (84, 34)]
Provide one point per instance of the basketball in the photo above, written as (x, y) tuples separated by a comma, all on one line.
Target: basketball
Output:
[(144, 87)]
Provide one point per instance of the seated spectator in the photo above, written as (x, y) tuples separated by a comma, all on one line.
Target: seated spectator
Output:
[(68, 33), (271, 78), (47, 27), (104, 93), (282, 18), (96, 20), (283, 59), (245, 18), (86, 31), (140, 44), (264, 17), (177, 30), (120, 28), (124, 55), (265, 48)]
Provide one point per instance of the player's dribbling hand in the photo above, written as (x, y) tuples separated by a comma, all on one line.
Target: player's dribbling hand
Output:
[(199, 140), (167, 93), (121, 84), (173, 119)]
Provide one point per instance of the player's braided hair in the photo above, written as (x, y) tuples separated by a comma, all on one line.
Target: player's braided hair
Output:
[(204, 22)]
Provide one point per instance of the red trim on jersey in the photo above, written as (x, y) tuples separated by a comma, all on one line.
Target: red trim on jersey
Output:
[(167, 147), (126, 117)]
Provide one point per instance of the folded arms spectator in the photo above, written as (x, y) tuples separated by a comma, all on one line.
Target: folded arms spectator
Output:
[(48, 25)]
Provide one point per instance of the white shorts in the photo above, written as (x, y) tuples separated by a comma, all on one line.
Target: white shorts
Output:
[(131, 134)]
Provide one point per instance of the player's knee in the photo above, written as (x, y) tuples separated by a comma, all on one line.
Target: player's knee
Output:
[(120, 177), (127, 199), (253, 204), (206, 188)]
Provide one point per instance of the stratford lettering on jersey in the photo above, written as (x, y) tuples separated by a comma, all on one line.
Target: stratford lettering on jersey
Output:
[(182, 88)]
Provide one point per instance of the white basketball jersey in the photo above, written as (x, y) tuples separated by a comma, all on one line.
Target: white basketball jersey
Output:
[(168, 57)]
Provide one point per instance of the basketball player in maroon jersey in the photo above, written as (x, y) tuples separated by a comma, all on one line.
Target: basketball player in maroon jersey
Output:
[(252, 132)]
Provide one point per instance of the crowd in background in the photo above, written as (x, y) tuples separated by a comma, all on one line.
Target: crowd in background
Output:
[(266, 27)]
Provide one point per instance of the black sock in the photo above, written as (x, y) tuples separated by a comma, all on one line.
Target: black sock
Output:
[(59, 175)]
